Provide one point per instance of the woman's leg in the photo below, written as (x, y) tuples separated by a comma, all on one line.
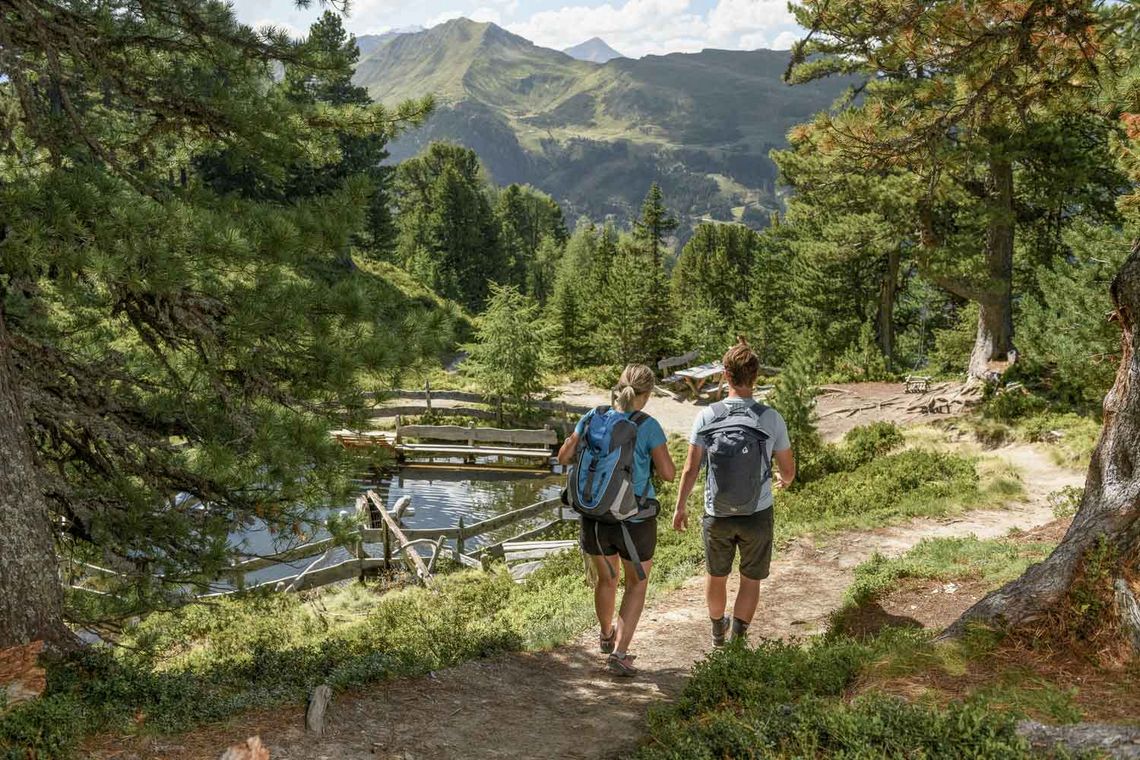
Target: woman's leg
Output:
[(605, 590), (632, 602)]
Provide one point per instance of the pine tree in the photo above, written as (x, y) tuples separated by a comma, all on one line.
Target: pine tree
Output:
[(954, 89), (507, 359), (448, 234), (158, 337)]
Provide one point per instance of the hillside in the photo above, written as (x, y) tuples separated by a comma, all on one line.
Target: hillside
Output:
[(594, 50), (595, 136)]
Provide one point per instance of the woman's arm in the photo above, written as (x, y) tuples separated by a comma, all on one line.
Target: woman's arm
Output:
[(569, 446), (663, 463)]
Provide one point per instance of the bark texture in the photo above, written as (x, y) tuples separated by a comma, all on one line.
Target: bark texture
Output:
[(994, 342), (31, 597), (1110, 507), (885, 319)]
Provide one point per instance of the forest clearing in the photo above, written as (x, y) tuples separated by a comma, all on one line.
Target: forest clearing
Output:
[(383, 382)]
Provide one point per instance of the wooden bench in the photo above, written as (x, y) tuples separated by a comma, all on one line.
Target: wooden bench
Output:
[(471, 442), (917, 383), (676, 362)]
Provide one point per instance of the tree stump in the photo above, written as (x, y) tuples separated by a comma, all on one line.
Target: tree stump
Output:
[(318, 704)]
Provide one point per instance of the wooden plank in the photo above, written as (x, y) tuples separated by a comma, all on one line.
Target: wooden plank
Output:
[(479, 435), (387, 412), (497, 549), (511, 546), (507, 518), (466, 561), (522, 555), (376, 535), (292, 555), (401, 539), (678, 361), (427, 448)]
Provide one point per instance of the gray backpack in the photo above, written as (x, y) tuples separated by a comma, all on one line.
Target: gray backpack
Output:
[(736, 455)]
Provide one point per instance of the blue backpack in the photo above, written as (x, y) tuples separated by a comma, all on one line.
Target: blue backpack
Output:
[(601, 479)]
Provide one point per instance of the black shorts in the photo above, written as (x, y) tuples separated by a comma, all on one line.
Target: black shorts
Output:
[(752, 534), (608, 539)]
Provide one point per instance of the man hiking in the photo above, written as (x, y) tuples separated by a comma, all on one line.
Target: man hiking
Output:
[(737, 439)]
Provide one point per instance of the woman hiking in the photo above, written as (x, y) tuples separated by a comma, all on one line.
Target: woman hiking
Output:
[(612, 451)]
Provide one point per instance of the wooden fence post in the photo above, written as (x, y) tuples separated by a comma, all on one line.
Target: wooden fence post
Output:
[(427, 394), (459, 540), (387, 548)]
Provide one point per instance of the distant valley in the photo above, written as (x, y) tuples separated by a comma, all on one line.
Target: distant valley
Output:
[(595, 135)]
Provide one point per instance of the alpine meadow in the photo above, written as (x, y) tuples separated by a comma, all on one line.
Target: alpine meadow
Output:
[(377, 382)]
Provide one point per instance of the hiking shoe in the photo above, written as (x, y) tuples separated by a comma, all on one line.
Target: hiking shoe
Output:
[(719, 630), (606, 643), (621, 666), (739, 631)]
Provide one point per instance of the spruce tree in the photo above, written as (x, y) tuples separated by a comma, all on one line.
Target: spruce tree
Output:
[(507, 359), (160, 340), (448, 234)]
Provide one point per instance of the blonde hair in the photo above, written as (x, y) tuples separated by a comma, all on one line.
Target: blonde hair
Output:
[(635, 380), (741, 364)]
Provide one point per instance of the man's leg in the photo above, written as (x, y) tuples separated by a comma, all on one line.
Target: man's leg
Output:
[(747, 599), (632, 602), (716, 595), (720, 550), (755, 560)]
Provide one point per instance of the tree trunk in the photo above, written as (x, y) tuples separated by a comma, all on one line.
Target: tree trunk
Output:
[(885, 319), (995, 321), (1110, 507), (31, 597)]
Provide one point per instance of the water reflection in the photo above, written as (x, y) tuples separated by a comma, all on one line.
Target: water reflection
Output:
[(440, 497)]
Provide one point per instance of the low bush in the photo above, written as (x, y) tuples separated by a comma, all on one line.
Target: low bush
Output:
[(786, 700), (912, 483)]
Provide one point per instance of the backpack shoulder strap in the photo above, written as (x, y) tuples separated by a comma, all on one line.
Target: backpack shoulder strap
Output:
[(637, 418), (719, 410), (758, 409)]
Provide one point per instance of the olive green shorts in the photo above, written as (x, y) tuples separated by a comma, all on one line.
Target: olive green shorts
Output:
[(751, 534)]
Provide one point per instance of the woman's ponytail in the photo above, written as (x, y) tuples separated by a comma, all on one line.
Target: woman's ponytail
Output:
[(635, 380)]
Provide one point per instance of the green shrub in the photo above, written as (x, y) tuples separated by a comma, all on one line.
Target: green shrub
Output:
[(783, 700), (909, 484), (1066, 501), (1009, 405), (869, 442)]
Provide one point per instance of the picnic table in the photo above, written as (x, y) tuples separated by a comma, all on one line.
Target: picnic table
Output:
[(696, 377)]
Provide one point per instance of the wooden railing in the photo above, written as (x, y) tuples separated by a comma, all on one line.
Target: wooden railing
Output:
[(398, 546)]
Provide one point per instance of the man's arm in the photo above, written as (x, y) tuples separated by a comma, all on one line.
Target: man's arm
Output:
[(786, 464), (688, 480)]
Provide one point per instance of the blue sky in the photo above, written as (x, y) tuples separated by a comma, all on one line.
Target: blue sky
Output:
[(633, 27)]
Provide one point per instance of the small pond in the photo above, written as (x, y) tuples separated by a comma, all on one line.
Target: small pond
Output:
[(440, 497)]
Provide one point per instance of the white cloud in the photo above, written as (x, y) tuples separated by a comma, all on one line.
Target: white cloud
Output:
[(640, 27), (785, 40)]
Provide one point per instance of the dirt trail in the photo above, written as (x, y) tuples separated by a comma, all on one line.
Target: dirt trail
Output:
[(562, 704), (839, 410)]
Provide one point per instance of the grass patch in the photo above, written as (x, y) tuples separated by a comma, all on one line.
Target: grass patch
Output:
[(204, 663), (787, 701), (993, 562)]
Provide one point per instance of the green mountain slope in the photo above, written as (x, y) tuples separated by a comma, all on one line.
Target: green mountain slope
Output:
[(595, 136)]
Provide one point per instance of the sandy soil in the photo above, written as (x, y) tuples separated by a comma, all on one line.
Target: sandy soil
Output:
[(561, 703)]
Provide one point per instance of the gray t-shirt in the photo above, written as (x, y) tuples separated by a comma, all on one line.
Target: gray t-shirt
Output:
[(772, 424)]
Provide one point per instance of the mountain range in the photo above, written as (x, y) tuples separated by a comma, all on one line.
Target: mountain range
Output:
[(596, 135)]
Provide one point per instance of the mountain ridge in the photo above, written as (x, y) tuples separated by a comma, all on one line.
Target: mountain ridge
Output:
[(595, 135)]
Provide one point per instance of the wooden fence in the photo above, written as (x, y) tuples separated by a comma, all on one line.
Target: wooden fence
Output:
[(398, 545)]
